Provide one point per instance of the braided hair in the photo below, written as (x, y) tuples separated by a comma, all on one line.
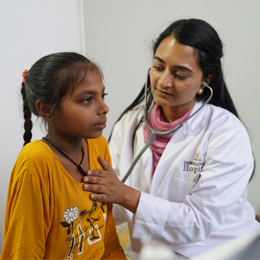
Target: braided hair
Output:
[(27, 114)]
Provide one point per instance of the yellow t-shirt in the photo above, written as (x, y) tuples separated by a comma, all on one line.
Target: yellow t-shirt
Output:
[(48, 215)]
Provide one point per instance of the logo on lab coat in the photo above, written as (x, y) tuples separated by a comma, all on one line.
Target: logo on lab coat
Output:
[(194, 166)]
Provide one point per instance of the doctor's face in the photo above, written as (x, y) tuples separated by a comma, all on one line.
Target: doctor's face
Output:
[(175, 77)]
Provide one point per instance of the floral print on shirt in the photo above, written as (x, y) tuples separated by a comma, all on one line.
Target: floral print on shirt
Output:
[(78, 235)]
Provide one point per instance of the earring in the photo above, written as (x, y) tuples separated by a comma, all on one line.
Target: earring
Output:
[(200, 91)]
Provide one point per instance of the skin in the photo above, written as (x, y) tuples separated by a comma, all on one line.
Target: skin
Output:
[(80, 116), (176, 79)]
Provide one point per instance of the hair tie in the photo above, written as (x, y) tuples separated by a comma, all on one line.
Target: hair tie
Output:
[(25, 74)]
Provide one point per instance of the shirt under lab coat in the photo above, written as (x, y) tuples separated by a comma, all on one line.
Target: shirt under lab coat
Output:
[(197, 197)]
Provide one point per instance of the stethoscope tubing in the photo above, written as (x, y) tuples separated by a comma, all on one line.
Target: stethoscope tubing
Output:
[(155, 133)]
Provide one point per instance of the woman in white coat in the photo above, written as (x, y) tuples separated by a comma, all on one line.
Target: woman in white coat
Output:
[(189, 189)]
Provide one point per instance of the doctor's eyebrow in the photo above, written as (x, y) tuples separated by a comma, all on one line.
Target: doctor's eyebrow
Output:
[(177, 66)]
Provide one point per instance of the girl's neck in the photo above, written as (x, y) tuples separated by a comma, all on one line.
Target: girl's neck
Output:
[(76, 150), (70, 146)]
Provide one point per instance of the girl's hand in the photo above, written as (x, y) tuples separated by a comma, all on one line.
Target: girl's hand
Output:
[(103, 183), (106, 187)]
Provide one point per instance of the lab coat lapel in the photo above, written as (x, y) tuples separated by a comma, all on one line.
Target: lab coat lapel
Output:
[(170, 158)]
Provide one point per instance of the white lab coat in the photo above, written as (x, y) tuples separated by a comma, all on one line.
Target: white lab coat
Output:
[(197, 197)]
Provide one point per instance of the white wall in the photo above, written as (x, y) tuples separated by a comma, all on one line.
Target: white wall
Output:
[(119, 35), (29, 29)]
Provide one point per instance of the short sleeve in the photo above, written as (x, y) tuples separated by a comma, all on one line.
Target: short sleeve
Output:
[(27, 216)]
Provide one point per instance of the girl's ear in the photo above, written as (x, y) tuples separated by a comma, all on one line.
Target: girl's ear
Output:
[(44, 110)]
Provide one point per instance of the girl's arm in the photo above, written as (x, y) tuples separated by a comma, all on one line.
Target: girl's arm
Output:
[(26, 226)]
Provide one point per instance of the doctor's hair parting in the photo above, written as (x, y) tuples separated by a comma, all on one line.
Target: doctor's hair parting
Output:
[(50, 80)]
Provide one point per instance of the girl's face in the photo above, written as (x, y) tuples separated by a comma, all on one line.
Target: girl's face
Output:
[(82, 114), (175, 77)]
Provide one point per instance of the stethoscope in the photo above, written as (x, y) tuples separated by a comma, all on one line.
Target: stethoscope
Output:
[(154, 133)]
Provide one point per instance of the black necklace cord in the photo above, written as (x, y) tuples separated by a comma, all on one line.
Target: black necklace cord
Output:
[(65, 155)]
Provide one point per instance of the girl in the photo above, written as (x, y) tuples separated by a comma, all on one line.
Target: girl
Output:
[(189, 189), (48, 215)]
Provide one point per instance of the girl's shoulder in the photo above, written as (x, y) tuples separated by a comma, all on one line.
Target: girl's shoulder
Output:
[(34, 166), (36, 151), (34, 158)]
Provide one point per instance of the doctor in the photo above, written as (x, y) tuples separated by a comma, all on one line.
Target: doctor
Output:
[(189, 189)]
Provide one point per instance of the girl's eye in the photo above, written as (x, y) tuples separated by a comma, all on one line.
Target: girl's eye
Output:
[(103, 95), (87, 100)]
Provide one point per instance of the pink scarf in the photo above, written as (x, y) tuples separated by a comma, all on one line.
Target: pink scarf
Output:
[(156, 122)]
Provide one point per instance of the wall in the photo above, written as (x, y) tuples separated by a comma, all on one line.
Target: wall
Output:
[(119, 36), (29, 30)]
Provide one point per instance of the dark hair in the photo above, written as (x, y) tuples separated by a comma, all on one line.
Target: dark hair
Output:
[(50, 80), (209, 49)]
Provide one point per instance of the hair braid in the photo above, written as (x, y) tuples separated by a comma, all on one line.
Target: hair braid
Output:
[(27, 136)]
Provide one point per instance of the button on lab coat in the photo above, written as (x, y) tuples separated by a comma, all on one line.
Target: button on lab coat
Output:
[(197, 197)]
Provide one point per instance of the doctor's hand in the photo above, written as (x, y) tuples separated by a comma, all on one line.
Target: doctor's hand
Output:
[(105, 186)]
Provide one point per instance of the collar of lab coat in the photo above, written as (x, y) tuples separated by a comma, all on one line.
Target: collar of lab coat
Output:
[(195, 122)]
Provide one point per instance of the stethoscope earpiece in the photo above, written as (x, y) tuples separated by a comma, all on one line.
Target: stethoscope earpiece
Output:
[(204, 84)]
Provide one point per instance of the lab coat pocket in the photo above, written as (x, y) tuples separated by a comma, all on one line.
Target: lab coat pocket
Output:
[(179, 180), (183, 183), (180, 189)]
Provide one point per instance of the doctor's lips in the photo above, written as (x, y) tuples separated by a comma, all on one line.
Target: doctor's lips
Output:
[(164, 93)]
